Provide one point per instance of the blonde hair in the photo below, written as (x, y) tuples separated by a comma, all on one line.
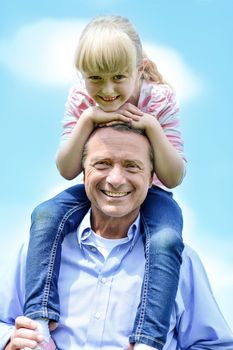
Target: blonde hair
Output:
[(110, 44)]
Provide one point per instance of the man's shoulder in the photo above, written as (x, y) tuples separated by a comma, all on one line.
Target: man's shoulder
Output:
[(190, 253), (192, 267)]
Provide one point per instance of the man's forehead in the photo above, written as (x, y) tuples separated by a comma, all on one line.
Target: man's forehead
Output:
[(132, 158), (111, 143), (108, 135)]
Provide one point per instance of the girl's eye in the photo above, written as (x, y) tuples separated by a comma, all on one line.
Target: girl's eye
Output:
[(94, 78), (119, 77)]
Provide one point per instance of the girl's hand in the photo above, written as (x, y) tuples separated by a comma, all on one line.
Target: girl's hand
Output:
[(125, 114), (145, 122), (25, 334)]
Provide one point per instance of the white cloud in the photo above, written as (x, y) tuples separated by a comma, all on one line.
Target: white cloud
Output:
[(43, 52), (176, 71)]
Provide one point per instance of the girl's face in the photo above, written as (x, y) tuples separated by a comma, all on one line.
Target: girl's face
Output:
[(111, 90)]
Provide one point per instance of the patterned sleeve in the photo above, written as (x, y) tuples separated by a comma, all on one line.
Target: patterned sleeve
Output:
[(77, 101), (160, 101)]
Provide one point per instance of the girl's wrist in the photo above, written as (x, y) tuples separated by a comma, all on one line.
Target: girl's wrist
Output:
[(87, 118), (152, 126)]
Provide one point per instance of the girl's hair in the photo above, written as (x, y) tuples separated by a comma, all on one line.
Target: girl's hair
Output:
[(111, 44)]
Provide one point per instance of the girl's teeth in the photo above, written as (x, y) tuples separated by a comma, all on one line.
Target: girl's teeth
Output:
[(108, 98)]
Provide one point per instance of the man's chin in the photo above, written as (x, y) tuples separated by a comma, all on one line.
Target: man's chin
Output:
[(116, 212)]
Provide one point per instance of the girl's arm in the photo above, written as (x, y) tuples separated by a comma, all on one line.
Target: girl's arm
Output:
[(168, 163), (161, 124), (69, 156)]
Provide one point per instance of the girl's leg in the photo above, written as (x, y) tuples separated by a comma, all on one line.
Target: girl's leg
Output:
[(163, 250), (51, 221)]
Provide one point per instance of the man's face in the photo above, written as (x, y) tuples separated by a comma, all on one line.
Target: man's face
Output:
[(117, 173)]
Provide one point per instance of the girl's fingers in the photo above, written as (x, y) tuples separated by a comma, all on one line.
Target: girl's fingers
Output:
[(132, 108), (126, 115)]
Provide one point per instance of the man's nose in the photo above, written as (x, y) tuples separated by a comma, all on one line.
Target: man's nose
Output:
[(116, 177)]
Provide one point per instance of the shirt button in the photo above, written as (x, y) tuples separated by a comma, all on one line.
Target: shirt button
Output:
[(103, 280), (97, 315), (93, 249)]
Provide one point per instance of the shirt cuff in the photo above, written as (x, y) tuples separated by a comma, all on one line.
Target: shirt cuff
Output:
[(143, 347), (5, 337)]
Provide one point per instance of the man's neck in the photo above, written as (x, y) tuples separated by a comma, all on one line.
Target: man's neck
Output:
[(111, 227)]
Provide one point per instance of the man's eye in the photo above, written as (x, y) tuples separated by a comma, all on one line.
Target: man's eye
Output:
[(102, 165), (132, 168)]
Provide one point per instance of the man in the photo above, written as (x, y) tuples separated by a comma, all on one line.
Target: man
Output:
[(102, 264)]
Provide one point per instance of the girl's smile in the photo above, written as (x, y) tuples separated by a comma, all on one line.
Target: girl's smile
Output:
[(110, 91)]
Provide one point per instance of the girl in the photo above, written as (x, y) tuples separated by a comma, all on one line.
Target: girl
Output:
[(118, 84)]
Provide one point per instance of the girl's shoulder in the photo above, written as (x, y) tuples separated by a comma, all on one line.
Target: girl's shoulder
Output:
[(78, 94), (154, 89), (154, 94), (78, 88)]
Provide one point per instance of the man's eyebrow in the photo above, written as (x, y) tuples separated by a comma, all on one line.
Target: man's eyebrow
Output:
[(136, 161), (99, 158)]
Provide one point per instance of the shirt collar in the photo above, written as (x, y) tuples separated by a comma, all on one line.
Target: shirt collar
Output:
[(84, 230)]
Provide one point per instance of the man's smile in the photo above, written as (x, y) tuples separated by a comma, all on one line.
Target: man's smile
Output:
[(115, 194)]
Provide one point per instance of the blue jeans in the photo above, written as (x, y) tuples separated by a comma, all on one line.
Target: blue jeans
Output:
[(162, 225), (161, 229)]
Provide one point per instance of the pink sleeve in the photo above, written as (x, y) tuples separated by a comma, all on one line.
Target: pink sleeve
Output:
[(163, 105), (77, 101)]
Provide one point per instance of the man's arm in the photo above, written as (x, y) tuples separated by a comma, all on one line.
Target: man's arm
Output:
[(201, 324), (11, 297)]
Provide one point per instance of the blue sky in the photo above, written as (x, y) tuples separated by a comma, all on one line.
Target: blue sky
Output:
[(191, 41)]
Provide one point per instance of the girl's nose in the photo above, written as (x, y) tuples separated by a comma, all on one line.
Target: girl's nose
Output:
[(108, 88)]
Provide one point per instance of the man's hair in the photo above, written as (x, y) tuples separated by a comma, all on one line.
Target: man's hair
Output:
[(123, 128)]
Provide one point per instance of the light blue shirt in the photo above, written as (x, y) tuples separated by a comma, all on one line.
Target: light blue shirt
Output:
[(99, 298)]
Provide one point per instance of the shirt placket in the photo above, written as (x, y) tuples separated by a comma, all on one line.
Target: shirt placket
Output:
[(102, 299)]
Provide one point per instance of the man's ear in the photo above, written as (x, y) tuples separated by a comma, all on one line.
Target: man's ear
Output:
[(151, 181)]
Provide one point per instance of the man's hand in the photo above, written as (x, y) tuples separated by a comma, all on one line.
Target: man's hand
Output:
[(25, 334)]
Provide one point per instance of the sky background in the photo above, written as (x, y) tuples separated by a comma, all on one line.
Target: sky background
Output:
[(191, 42)]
